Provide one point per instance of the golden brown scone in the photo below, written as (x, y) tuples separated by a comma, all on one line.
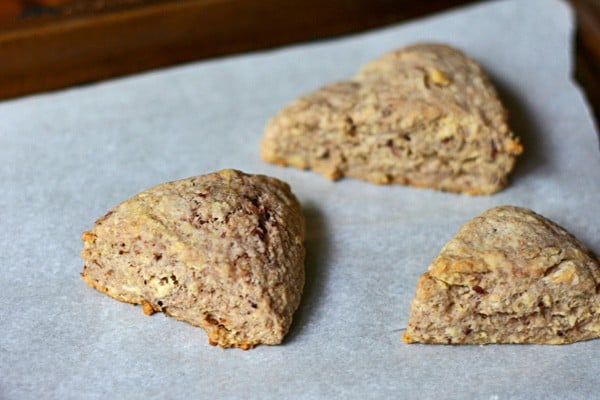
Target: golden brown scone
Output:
[(425, 115), (223, 251), (508, 276)]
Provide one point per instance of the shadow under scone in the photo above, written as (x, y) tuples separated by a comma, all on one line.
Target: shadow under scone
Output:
[(315, 266)]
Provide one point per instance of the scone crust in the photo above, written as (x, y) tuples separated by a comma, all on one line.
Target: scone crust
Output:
[(223, 251), (508, 276), (426, 115)]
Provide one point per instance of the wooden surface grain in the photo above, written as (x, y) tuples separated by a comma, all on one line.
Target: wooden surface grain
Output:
[(52, 44), (587, 61)]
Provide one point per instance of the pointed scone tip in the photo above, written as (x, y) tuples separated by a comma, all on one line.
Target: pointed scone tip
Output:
[(426, 116), (223, 251), (508, 276)]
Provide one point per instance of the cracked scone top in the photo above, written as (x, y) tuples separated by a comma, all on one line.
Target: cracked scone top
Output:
[(223, 251), (425, 115), (508, 276)]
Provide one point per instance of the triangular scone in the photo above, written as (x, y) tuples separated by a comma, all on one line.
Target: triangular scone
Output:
[(426, 115), (223, 251), (508, 276)]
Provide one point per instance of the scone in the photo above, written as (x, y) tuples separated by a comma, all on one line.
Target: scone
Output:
[(223, 251), (508, 276), (426, 115)]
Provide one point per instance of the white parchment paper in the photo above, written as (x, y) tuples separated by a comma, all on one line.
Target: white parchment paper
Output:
[(68, 157)]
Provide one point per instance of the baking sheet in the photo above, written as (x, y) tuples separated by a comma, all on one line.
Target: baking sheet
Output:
[(67, 157)]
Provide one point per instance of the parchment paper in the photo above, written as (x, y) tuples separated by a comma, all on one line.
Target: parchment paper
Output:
[(68, 157)]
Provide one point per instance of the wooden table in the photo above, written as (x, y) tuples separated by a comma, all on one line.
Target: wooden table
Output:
[(52, 44)]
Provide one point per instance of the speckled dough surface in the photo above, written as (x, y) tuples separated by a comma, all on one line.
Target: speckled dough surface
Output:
[(426, 115), (508, 276), (223, 251)]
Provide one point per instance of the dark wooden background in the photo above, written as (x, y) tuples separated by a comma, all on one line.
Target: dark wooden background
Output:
[(52, 44)]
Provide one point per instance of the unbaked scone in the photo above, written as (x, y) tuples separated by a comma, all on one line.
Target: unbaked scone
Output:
[(223, 251), (425, 115), (508, 276)]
